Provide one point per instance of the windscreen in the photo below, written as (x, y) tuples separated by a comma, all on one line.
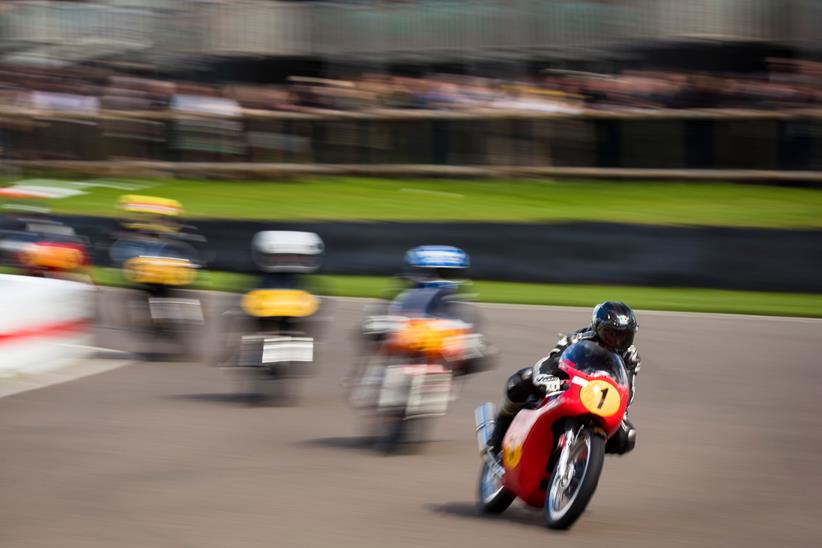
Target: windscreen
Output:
[(128, 248), (421, 303), (592, 359)]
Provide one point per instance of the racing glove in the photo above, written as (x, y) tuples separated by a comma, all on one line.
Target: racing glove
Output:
[(547, 383)]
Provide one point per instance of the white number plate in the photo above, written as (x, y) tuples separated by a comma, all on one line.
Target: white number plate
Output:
[(288, 349), (420, 389), (430, 394), (188, 310)]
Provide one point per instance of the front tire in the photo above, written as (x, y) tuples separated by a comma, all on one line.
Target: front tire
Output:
[(492, 498), (573, 486)]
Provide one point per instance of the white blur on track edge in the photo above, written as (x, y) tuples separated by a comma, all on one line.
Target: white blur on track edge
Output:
[(19, 381)]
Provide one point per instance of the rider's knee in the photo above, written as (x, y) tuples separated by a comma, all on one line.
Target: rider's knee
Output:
[(519, 386)]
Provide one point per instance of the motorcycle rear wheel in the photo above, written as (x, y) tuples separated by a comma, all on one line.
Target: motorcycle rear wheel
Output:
[(572, 488), (267, 388), (398, 434)]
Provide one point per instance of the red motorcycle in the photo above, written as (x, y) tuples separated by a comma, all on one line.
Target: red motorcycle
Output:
[(553, 452)]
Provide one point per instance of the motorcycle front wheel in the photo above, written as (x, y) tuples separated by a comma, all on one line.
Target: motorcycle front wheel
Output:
[(492, 498), (575, 476)]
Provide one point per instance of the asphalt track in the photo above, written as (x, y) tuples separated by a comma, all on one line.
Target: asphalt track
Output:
[(164, 454)]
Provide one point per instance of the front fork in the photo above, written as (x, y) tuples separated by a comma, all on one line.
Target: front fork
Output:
[(566, 441)]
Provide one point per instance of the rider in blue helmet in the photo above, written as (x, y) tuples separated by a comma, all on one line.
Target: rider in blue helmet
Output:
[(436, 266), (433, 277), (435, 274)]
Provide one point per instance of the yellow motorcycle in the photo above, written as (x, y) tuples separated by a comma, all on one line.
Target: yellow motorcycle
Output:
[(160, 262), (273, 342), (167, 316)]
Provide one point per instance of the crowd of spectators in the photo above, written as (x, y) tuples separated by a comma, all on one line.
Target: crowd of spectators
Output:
[(787, 85)]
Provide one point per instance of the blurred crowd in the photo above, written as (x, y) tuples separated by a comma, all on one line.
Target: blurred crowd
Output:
[(788, 84)]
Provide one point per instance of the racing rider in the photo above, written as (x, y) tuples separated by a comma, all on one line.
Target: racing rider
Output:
[(613, 326)]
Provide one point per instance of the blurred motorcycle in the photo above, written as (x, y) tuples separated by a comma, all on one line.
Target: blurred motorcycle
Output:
[(272, 336), (53, 251), (410, 377), (159, 271), (34, 243), (159, 260), (553, 452)]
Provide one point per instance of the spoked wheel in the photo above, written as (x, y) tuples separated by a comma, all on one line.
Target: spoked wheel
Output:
[(575, 476), (492, 498)]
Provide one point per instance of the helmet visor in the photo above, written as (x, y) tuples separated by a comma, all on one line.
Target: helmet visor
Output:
[(618, 339), (286, 262), (454, 274)]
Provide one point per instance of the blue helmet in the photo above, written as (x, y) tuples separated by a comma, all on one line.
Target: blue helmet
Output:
[(436, 265)]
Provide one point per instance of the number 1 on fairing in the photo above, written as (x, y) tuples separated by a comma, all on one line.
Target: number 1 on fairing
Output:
[(604, 393)]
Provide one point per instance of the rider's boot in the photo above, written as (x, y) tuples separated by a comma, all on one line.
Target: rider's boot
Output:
[(506, 415), (517, 391)]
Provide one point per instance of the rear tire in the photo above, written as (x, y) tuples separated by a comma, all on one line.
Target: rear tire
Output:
[(559, 514), (269, 388), (392, 434), (401, 435), (491, 499)]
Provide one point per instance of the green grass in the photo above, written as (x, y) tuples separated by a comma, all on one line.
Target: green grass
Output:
[(647, 298), (340, 198), (681, 299), (717, 204)]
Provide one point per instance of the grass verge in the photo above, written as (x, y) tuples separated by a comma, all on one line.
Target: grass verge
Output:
[(647, 298), (364, 199)]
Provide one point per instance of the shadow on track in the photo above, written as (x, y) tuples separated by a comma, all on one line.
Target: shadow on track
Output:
[(515, 514), (375, 445), (356, 443), (230, 398)]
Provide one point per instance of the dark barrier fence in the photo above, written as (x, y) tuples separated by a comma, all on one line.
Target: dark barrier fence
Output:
[(587, 253), (790, 140)]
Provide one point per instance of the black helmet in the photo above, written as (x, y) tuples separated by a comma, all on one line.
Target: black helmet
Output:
[(615, 325)]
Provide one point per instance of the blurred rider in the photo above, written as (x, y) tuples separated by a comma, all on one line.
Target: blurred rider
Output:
[(286, 258), (434, 277), (613, 326), (151, 226), (150, 214), (285, 261), (435, 274), (436, 267)]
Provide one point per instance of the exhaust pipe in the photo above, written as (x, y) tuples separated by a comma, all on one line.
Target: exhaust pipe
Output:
[(484, 421)]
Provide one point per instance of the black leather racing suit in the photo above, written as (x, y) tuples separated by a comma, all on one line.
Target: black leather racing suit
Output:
[(520, 388)]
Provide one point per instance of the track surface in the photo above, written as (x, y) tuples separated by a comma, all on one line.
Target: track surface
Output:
[(163, 454)]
